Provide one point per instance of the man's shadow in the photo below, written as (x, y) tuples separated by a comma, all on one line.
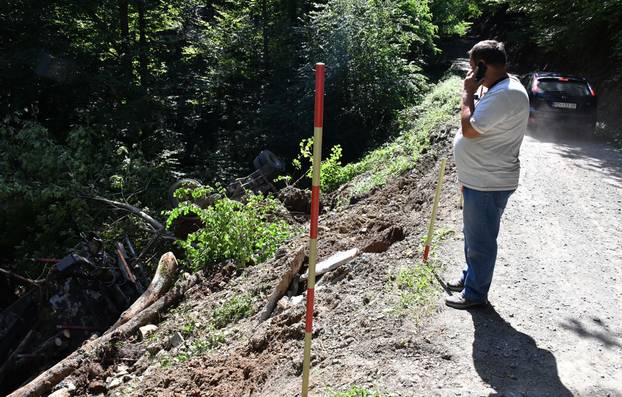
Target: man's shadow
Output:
[(509, 361)]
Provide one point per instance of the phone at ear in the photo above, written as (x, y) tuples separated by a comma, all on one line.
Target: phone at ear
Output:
[(480, 71)]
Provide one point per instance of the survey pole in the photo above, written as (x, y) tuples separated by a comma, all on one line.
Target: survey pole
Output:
[(437, 196), (318, 120)]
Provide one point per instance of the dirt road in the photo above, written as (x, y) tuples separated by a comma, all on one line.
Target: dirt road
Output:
[(555, 324)]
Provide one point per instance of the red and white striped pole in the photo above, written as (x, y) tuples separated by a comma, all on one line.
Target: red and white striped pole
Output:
[(315, 212)]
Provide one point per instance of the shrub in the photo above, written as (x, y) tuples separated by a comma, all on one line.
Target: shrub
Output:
[(246, 232)]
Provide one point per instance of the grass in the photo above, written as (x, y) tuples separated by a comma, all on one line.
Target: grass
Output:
[(437, 110), (236, 308), (417, 284)]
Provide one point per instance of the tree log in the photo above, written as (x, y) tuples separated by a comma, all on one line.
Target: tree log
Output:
[(294, 265), (162, 280), (47, 380)]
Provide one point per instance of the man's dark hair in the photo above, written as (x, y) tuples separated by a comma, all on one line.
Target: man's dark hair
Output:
[(490, 51)]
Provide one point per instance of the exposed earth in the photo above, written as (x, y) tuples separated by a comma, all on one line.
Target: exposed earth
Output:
[(554, 327)]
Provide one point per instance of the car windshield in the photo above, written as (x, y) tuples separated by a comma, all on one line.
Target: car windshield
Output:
[(572, 88)]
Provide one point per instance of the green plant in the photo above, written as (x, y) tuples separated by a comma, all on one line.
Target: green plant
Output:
[(435, 114), (212, 340), (332, 173), (246, 232), (188, 328), (238, 307), (416, 285), (182, 357), (165, 362)]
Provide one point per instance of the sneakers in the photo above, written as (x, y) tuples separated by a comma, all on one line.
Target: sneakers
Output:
[(455, 285), (458, 301)]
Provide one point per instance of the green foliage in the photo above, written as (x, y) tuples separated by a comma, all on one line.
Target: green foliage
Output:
[(369, 76), (118, 97), (416, 284), (452, 16), (246, 232), (332, 173), (571, 29), (236, 308), (203, 345), (435, 114), (42, 177)]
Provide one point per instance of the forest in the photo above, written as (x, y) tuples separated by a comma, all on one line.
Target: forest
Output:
[(120, 98)]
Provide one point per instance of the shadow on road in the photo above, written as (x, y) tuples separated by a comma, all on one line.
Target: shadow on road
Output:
[(603, 335), (596, 155), (509, 360)]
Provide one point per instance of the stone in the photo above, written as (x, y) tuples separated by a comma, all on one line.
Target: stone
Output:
[(147, 330), (115, 382), (176, 340), (61, 393)]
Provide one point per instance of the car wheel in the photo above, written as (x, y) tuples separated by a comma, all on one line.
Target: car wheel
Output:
[(269, 159), (182, 183)]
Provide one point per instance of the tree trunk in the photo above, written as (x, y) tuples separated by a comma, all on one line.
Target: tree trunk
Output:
[(124, 29), (142, 42), (264, 31), (161, 282)]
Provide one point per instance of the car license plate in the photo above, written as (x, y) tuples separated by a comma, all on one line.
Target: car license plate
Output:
[(564, 105)]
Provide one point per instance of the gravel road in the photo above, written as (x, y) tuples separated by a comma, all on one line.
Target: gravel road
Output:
[(555, 324)]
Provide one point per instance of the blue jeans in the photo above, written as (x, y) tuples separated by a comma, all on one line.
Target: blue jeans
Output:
[(482, 215)]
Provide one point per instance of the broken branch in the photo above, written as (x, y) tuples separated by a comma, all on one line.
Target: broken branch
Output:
[(25, 280), (130, 208)]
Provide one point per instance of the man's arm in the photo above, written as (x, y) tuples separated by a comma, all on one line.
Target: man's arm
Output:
[(467, 106)]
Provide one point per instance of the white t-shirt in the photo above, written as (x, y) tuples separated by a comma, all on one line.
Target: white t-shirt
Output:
[(490, 161)]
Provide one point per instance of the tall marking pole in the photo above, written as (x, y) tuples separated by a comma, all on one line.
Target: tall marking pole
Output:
[(437, 196), (315, 212)]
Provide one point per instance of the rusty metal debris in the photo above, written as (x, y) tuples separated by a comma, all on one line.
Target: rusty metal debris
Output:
[(83, 293)]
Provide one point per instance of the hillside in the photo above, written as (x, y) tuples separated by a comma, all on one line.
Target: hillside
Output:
[(228, 351)]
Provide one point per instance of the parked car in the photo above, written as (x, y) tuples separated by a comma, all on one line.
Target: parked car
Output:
[(560, 101)]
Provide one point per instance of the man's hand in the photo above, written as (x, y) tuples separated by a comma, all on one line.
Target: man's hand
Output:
[(468, 105), (470, 84)]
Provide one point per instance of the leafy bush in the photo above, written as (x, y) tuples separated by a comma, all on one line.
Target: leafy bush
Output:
[(246, 232), (236, 308)]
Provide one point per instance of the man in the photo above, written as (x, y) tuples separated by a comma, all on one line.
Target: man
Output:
[(486, 155)]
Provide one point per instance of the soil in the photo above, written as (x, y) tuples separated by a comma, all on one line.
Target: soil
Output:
[(553, 328)]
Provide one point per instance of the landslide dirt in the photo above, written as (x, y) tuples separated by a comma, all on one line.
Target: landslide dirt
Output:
[(553, 328)]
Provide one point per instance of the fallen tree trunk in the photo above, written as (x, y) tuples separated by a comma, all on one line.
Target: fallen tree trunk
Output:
[(162, 280), (48, 379), (294, 265)]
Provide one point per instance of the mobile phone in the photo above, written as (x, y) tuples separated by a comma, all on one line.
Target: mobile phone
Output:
[(480, 71)]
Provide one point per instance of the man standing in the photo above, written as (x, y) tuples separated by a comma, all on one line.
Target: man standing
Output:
[(486, 155)]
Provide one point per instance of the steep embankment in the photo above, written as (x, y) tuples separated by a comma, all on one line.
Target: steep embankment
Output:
[(215, 344)]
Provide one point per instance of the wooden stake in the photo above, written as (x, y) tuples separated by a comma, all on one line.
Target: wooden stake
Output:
[(437, 196)]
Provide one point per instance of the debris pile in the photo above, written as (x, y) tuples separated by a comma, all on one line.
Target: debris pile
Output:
[(83, 294)]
